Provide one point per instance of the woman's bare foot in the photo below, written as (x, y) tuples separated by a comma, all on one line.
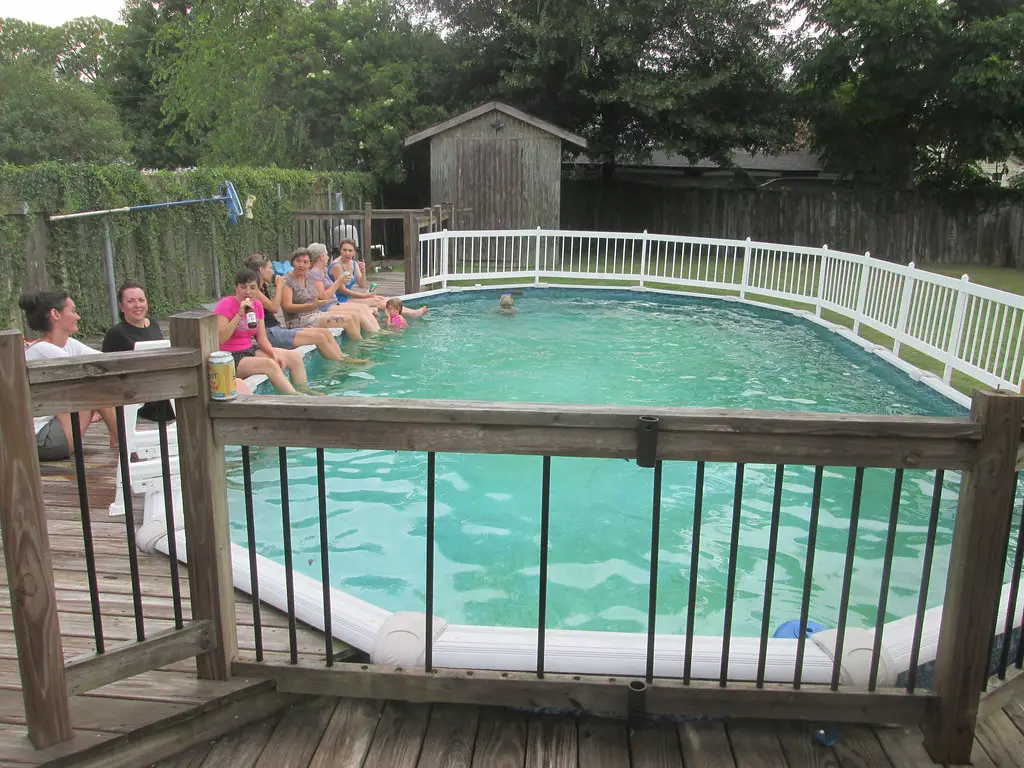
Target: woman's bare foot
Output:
[(407, 312)]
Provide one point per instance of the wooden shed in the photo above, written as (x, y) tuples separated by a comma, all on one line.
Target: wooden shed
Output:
[(500, 167)]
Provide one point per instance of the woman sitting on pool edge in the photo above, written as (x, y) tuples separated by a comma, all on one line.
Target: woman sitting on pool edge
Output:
[(289, 338), (248, 343), (306, 302), (349, 284)]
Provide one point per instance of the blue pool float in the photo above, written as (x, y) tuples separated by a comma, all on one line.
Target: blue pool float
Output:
[(791, 629)]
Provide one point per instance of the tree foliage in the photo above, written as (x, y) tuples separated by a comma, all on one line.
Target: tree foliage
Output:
[(42, 118), (908, 91), (273, 82), (137, 52), (701, 77), (76, 50)]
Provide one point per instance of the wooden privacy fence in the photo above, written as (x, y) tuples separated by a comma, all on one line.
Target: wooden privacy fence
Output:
[(983, 446)]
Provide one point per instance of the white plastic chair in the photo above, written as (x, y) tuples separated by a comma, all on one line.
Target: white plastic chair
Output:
[(146, 472)]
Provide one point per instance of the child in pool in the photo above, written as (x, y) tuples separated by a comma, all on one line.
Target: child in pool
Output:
[(393, 309), (506, 304)]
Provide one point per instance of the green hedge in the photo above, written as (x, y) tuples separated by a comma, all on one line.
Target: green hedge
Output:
[(169, 250)]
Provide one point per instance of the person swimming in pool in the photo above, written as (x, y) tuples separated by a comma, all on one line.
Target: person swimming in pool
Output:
[(506, 304)]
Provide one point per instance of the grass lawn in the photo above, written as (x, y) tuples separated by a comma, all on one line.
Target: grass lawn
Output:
[(1004, 278)]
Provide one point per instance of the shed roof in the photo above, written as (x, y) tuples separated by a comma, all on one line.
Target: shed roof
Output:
[(483, 109)]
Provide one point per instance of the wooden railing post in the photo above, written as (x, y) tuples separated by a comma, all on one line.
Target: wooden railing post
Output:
[(975, 575), (27, 556), (412, 253), (367, 236), (205, 502)]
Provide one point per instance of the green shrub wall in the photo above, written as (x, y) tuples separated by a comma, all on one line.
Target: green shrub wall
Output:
[(170, 251)]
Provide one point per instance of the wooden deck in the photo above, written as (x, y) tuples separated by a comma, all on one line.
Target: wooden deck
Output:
[(161, 713)]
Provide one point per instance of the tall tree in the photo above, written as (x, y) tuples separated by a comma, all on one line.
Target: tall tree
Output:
[(277, 82), (75, 50), (42, 118), (914, 91), (137, 52), (701, 77)]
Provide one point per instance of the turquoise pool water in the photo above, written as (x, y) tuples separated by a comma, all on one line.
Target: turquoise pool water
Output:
[(598, 347)]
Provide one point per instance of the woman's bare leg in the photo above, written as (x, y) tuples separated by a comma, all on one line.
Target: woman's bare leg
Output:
[(323, 339), (251, 366), (350, 323), (65, 422), (293, 361), (241, 387), (418, 312), (367, 316)]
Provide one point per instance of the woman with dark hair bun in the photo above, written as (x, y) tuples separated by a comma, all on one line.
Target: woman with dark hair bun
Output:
[(53, 315)]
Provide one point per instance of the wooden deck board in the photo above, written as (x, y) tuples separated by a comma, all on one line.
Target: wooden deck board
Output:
[(602, 743), (347, 737), (705, 744), (399, 736), (450, 735), (297, 735)]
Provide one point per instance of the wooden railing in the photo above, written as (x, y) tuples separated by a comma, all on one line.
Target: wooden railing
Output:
[(85, 383), (983, 447)]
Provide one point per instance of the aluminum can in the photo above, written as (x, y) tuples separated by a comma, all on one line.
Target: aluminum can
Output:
[(222, 376)]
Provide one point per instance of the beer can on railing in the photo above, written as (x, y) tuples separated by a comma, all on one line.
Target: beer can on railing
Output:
[(222, 376)]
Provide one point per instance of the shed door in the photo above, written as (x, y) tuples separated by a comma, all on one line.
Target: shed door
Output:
[(490, 182)]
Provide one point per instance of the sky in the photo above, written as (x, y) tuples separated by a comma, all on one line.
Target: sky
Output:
[(55, 12)]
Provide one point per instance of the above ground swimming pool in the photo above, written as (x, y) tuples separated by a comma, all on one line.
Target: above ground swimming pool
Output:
[(604, 348)]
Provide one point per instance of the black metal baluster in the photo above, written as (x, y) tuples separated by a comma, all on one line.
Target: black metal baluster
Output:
[(129, 523), (250, 529), (652, 602), (172, 539), (542, 597), (691, 607), (883, 592), (926, 572), (325, 565), (805, 600), (428, 654), (769, 579), (844, 599), (730, 590), (289, 575), (1011, 609), (90, 555)]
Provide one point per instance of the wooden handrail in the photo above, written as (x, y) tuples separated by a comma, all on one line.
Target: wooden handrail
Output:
[(99, 381), (598, 431)]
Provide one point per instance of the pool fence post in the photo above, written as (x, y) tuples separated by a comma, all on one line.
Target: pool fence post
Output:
[(956, 330), (37, 638), (643, 258), (205, 501), (822, 271), (906, 296), (745, 275), (536, 256), (974, 578), (444, 256), (862, 291)]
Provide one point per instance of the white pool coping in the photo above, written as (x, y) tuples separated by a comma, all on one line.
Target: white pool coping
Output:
[(398, 638)]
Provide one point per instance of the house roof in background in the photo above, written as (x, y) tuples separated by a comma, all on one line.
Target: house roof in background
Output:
[(799, 161), (483, 109)]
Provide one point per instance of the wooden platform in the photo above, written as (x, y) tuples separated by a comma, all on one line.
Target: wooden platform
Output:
[(154, 715), (130, 706), (374, 734)]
